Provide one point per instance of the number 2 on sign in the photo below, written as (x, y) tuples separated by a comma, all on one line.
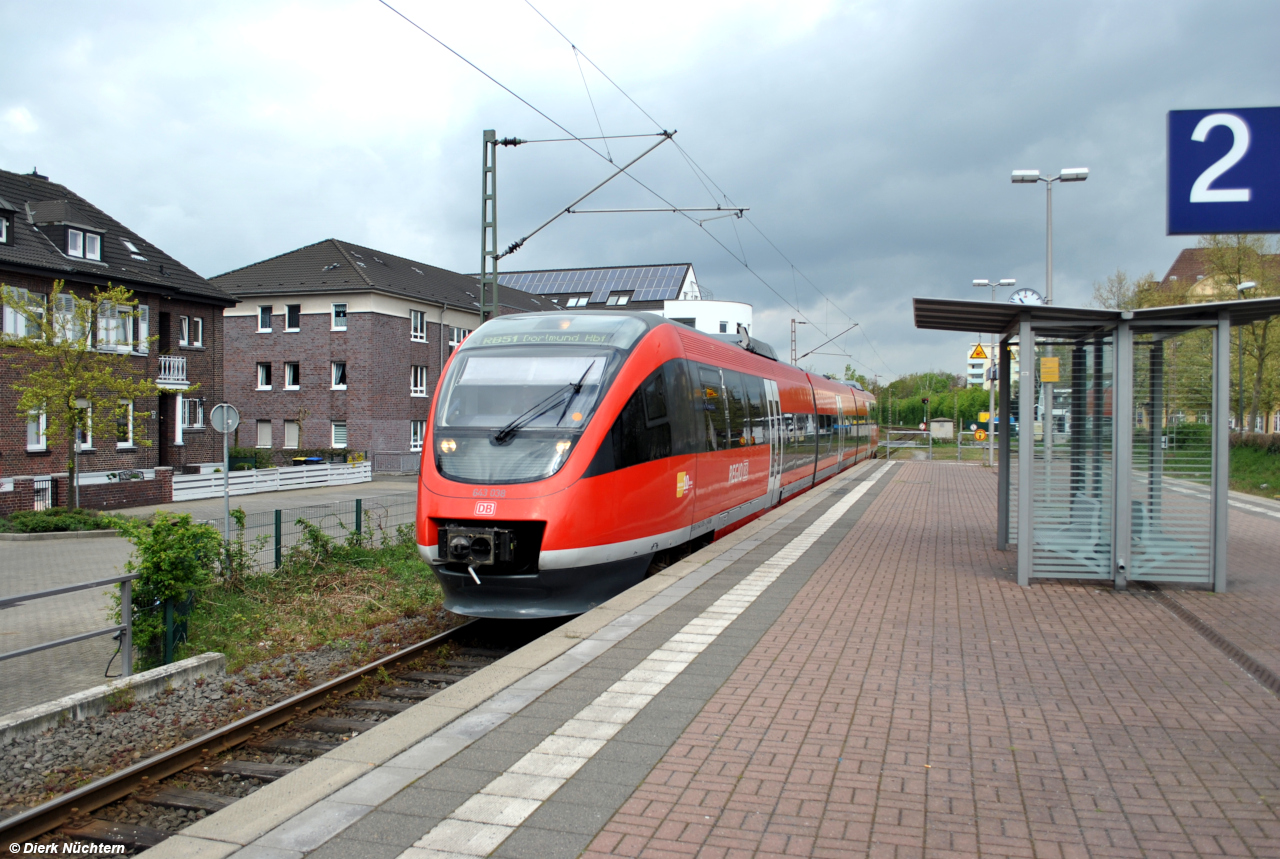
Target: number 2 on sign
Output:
[(1200, 191)]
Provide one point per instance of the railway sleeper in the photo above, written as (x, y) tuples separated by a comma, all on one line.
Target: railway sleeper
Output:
[(433, 677), (192, 800), (327, 725), (388, 707), (415, 692), (482, 651), (110, 832), (250, 769), (294, 746)]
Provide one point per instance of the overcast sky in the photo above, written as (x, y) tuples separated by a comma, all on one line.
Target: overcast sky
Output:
[(872, 141)]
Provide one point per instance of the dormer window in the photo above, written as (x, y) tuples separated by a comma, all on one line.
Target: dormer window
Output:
[(84, 245), (4, 230)]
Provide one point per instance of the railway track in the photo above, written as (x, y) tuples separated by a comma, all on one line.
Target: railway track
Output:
[(186, 783)]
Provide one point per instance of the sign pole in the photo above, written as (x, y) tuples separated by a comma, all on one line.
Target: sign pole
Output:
[(225, 418)]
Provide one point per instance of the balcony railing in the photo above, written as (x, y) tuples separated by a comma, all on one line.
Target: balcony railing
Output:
[(173, 371)]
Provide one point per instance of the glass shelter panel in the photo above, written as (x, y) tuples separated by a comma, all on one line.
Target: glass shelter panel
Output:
[(1172, 458), (1074, 465)]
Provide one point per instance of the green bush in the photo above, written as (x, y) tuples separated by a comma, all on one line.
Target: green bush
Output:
[(174, 558), (55, 519), (1269, 442), (1188, 435)]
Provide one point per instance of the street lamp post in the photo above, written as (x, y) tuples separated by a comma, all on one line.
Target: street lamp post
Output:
[(1240, 291), (991, 380), (1021, 177)]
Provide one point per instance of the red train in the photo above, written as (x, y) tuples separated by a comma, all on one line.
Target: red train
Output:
[(566, 449)]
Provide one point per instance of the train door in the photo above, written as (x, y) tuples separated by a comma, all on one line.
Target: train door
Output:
[(775, 440), (840, 433)]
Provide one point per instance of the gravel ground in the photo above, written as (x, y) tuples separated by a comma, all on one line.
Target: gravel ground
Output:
[(36, 768)]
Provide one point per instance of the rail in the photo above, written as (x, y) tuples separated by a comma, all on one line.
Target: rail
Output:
[(125, 626)]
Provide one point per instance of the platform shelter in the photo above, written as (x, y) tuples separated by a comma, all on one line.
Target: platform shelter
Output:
[(1118, 411)]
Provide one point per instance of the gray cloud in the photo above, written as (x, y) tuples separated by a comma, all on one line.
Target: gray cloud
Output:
[(873, 141)]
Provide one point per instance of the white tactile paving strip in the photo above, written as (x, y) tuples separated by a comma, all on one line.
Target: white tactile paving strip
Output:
[(482, 823)]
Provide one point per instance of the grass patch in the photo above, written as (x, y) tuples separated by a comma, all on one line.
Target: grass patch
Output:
[(54, 519), (324, 592), (1255, 471)]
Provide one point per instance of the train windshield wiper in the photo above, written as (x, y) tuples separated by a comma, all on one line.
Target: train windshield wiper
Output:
[(540, 408)]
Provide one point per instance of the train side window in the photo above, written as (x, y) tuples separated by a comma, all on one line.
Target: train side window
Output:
[(738, 418), (655, 398), (758, 430), (643, 431), (715, 416), (684, 408)]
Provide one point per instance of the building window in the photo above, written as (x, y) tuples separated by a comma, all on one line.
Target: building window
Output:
[(4, 230), (724, 327), (140, 329), (14, 323), (75, 243), (114, 328), (339, 433), (292, 317), (84, 434), (577, 301), (92, 246), (418, 326), (264, 433), (196, 331), (264, 319), (292, 377), (264, 376), (457, 335), (618, 300), (417, 431), (68, 322), (418, 381), (184, 330), (339, 369), (292, 433), (124, 425), (36, 425), (192, 414), (339, 317)]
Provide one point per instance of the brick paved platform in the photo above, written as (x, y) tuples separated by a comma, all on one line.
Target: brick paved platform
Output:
[(856, 674)]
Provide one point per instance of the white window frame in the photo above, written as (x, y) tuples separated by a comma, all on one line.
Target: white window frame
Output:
[(260, 439), (93, 246), (457, 335), (196, 331), (268, 308), (192, 413), (264, 378), (286, 318), (41, 421), (75, 243), (114, 328), (292, 368), (418, 326), (577, 301), (618, 299), (4, 230), (333, 317), (86, 440), (297, 435), (184, 330), (14, 323), (333, 434), (417, 432), (141, 329), (127, 407), (419, 380), (333, 375)]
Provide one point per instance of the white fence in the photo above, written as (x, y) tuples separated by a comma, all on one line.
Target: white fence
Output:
[(190, 487)]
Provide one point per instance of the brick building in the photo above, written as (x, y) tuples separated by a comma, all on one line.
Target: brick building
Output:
[(49, 233), (335, 345)]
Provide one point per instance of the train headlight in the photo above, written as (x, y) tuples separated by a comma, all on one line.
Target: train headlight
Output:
[(562, 446), (448, 445)]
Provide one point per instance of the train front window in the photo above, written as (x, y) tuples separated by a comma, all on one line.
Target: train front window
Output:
[(515, 415)]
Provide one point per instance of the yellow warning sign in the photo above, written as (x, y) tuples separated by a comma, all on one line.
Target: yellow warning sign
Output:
[(1049, 370), (983, 417), (978, 353)]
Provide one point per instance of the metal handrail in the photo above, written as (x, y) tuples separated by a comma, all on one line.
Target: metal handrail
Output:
[(125, 626)]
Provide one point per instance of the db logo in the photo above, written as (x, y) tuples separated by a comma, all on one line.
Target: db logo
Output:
[(486, 508), (684, 484)]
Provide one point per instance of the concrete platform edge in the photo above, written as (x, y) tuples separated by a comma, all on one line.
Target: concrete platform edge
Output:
[(93, 702)]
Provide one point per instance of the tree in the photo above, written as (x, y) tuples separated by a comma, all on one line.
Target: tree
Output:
[(77, 349), (1234, 259), (1121, 292)]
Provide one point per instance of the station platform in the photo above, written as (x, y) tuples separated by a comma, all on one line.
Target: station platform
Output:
[(855, 674)]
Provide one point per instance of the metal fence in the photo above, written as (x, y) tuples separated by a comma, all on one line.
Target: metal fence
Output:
[(906, 443), (190, 487), (270, 535), (397, 463), (124, 628), (42, 489)]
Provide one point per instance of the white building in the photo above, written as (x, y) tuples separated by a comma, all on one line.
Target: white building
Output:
[(711, 317), (976, 367)]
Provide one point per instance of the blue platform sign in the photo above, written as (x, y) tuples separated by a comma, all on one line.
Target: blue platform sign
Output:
[(1224, 171)]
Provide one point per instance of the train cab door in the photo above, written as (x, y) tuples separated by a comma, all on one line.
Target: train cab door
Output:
[(841, 430), (775, 440)]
